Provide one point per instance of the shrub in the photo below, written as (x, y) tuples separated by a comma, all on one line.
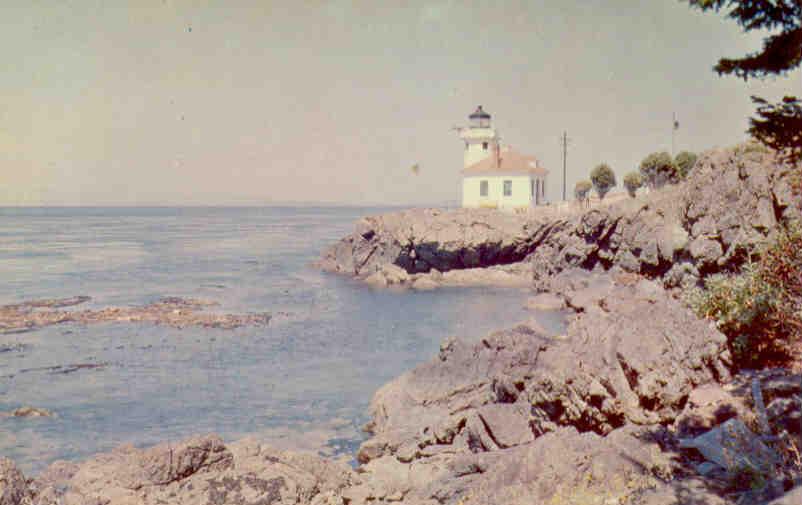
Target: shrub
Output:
[(684, 162), (760, 308), (633, 181), (658, 169), (603, 179), (581, 190)]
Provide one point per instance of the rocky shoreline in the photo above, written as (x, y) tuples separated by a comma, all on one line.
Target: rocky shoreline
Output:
[(638, 402), (614, 411), (731, 203)]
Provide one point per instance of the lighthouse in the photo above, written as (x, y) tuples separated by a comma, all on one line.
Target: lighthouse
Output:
[(496, 176), (481, 139)]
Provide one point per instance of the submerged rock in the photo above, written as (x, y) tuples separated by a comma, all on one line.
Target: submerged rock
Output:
[(28, 412), (171, 311)]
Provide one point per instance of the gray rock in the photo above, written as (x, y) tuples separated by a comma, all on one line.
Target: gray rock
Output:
[(707, 468), (13, 487), (419, 240), (689, 491), (571, 468), (792, 497), (546, 302), (782, 393), (705, 251), (561, 467), (735, 447), (197, 471), (425, 284), (708, 406)]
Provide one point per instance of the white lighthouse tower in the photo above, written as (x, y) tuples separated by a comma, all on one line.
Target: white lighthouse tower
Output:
[(481, 140)]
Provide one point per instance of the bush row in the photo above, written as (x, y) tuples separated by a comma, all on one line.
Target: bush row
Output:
[(655, 171)]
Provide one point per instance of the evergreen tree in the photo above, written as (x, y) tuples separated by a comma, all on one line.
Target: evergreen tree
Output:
[(779, 125)]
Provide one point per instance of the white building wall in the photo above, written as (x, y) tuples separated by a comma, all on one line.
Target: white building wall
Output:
[(475, 138), (521, 191)]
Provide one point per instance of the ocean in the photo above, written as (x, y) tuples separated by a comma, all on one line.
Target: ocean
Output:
[(302, 382)]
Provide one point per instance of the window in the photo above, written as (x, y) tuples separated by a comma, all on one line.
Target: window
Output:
[(484, 146), (507, 188), (482, 188)]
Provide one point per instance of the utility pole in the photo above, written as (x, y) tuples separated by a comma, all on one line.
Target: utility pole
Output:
[(564, 143)]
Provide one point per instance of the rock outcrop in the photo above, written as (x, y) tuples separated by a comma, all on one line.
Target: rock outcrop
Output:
[(632, 354), (594, 416), (564, 466), (420, 240), (13, 486), (513, 275), (198, 471), (731, 202)]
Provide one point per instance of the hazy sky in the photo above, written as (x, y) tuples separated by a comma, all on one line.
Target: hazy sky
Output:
[(232, 102)]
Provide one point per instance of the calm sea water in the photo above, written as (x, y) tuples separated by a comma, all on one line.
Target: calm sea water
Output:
[(304, 381)]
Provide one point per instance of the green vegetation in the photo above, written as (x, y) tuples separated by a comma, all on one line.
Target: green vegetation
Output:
[(581, 190), (633, 181), (658, 169), (603, 179), (779, 125), (685, 162), (760, 308)]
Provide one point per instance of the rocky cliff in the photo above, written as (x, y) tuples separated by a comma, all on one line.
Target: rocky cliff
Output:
[(733, 199)]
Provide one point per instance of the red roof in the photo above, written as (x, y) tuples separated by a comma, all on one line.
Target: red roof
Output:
[(509, 162)]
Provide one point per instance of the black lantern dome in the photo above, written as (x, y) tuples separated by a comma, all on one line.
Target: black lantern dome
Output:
[(480, 118)]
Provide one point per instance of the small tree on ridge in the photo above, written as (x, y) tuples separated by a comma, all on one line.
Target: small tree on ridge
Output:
[(582, 190), (603, 179), (633, 181), (685, 162), (658, 169)]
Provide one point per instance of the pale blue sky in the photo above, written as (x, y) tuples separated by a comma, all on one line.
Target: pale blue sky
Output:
[(261, 102)]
